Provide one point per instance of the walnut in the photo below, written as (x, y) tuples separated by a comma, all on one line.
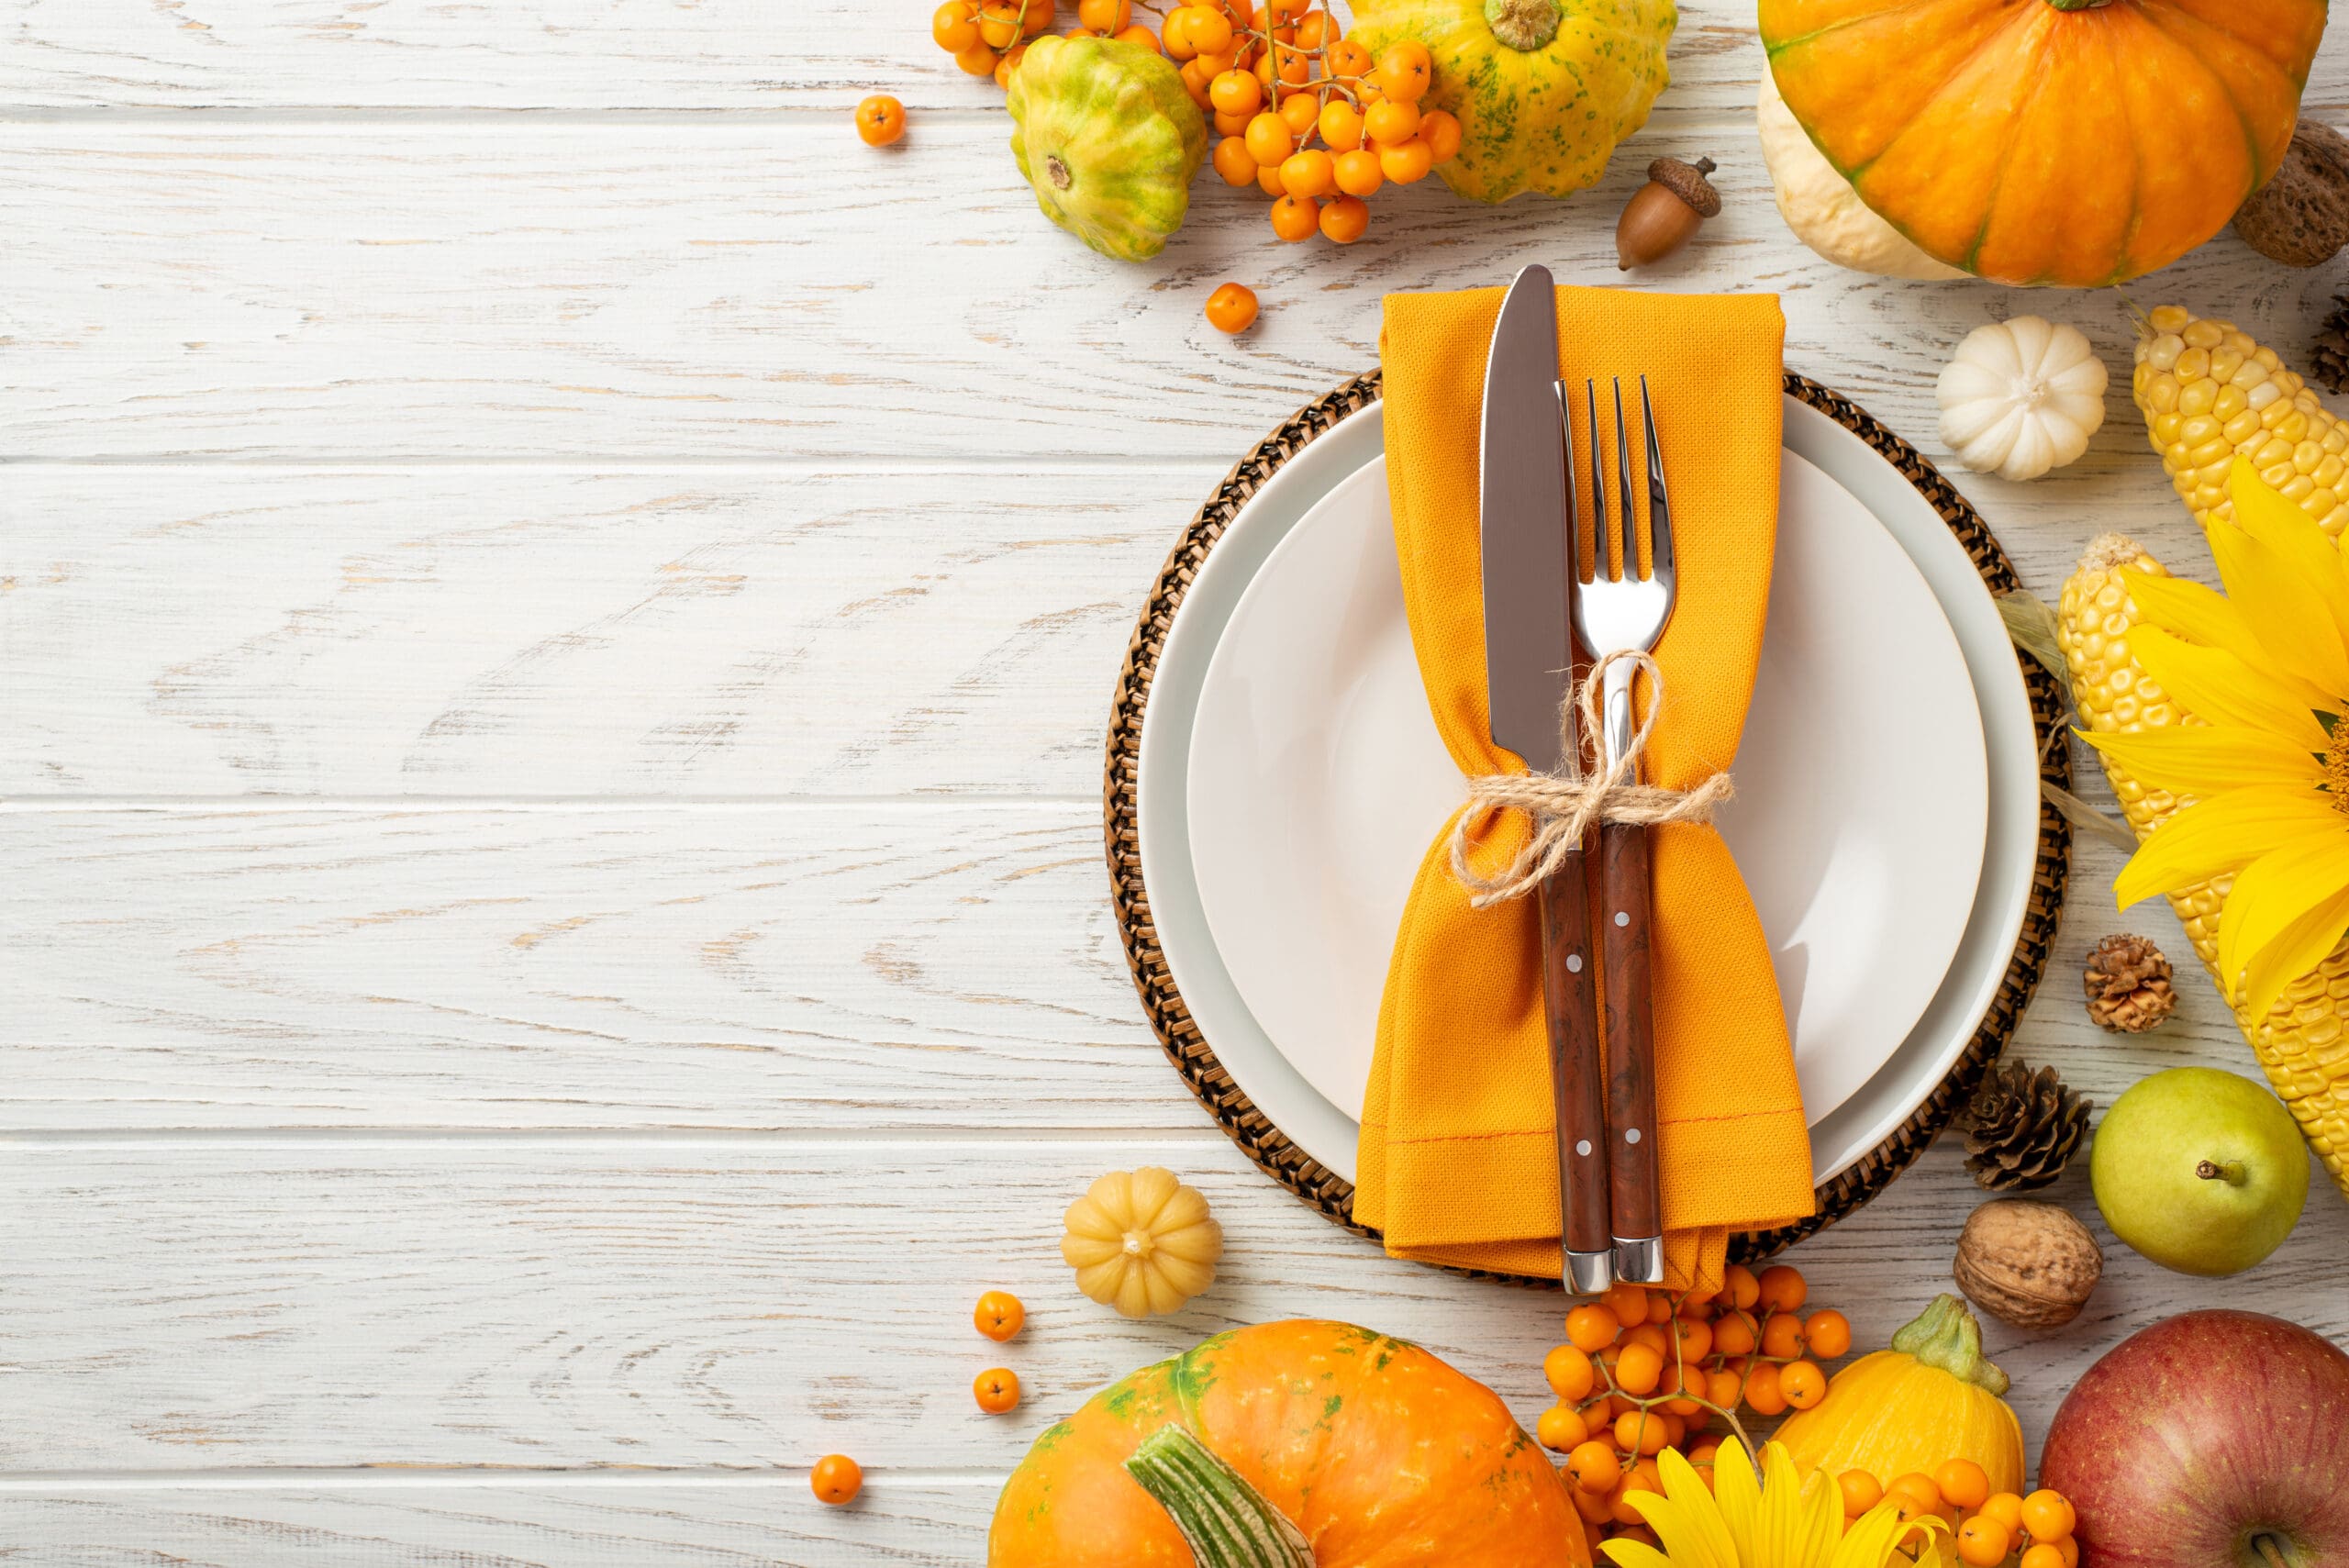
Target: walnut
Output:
[(2030, 1263)]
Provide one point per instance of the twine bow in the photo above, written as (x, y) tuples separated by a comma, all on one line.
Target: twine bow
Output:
[(1566, 806)]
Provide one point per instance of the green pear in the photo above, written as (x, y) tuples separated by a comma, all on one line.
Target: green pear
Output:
[(2201, 1171)]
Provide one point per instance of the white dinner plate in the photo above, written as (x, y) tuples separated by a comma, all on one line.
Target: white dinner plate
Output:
[(1316, 779), (1326, 1132)]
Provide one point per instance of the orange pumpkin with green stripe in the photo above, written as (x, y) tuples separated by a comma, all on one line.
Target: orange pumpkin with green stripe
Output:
[(1288, 1445), (2048, 141)]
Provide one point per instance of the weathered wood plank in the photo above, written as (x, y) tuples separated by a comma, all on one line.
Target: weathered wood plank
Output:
[(517, 632), (428, 1521), (591, 1302), (845, 966), (619, 290)]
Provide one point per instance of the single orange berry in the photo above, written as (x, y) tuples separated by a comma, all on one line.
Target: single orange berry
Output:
[(2007, 1508), (1340, 125), (2070, 1547), (1175, 34), (2043, 1555), (998, 25), (978, 60), (2048, 1515), (1236, 92), (1803, 1384), (1140, 36), (1405, 162), (1232, 308), (1009, 64), (1982, 1541), (1736, 1334), (1782, 1337), (1232, 125), (1761, 1390), (1920, 1487), (1000, 1314), (1357, 173), (1038, 16), (1693, 1337), (1562, 1428), (1828, 1333), (1287, 10), (1568, 1373), (1234, 162), (1105, 15), (1301, 114), (1306, 173), (1595, 1468), (1591, 1328), (1861, 1491), (1268, 179), (880, 120), (1641, 1431), (1783, 1289), (1388, 124), (996, 1390), (1405, 70), (955, 26), (1740, 1286), (1441, 129), (1964, 1483), (1269, 139), (1296, 219), (1659, 1304), (1639, 1370), (1346, 58), (1194, 81), (1592, 1506), (1724, 1388), (836, 1479), (1210, 31), (1629, 1302), (1652, 1337)]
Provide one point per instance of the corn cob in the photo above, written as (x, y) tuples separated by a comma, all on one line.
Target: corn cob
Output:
[(2303, 1042), (2211, 394)]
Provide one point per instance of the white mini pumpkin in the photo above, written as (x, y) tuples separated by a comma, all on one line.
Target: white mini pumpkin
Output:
[(1821, 207), (2020, 397)]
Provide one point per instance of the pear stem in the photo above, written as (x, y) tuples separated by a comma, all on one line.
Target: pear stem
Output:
[(2231, 1173)]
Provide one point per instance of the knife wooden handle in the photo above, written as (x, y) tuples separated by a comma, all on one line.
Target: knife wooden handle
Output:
[(1630, 1042), (1570, 1006)]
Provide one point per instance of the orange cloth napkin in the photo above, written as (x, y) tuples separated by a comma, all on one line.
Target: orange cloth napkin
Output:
[(1459, 1159)]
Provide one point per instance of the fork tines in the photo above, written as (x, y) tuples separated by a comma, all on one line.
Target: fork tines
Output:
[(1616, 554)]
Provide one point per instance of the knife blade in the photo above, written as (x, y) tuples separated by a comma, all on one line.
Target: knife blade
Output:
[(1526, 535)]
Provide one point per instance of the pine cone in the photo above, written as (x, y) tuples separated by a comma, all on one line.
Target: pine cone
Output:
[(2128, 984), (2023, 1128), (2329, 356)]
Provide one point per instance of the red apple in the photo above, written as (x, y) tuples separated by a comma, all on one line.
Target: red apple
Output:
[(2211, 1439)]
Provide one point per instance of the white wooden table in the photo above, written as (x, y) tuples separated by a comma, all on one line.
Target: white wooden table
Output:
[(556, 619)]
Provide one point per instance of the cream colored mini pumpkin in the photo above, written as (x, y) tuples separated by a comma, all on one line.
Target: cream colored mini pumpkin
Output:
[(2020, 397), (1821, 207), (1141, 1241)]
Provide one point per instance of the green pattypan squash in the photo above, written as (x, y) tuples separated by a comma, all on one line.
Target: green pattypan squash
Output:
[(1110, 139)]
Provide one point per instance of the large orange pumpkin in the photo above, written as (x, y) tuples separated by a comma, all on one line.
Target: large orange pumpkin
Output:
[(1296, 1443), (2048, 141)]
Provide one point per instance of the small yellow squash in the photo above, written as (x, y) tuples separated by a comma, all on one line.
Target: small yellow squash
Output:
[(1141, 1241), (1930, 1398)]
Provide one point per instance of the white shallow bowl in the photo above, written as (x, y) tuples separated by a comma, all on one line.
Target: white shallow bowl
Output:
[(1875, 1107)]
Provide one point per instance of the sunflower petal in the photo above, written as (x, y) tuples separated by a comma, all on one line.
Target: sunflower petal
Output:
[(2192, 613), (2210, 758), (1740, 1497), (2276, 521), (2213, 837), (2297, 949), (1868, 1541), (1685, 1518), (1635, 1553), (2276, 891), (2217, 687), (2289, 616)]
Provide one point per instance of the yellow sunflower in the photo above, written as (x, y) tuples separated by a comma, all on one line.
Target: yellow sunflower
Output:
[(1748, 1523), (2266, 667)]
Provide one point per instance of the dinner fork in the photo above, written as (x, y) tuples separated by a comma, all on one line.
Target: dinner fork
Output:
[(1625, 609)]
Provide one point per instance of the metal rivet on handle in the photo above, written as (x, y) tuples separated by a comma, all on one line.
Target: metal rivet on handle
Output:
[(1583, 1147), (1622, 918), (1574, 963), (1630, 1134)]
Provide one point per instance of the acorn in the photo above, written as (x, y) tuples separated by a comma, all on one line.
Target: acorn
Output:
[(1664, 212)]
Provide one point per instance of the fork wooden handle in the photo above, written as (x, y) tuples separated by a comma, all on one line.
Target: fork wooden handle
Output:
[(1624, 928), (1570, 1006)]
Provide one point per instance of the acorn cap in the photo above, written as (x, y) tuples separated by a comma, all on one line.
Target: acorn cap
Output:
[(1687, 181)]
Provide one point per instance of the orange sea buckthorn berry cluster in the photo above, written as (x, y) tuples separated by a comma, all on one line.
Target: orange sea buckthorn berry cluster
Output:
[(1307, 116), (988, 37), (1988, 1528), (1643, 1370)]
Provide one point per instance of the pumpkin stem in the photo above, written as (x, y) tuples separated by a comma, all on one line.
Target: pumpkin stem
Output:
[(1946, 1336), (1226, 1522), (2078, 5), (1525, 25)]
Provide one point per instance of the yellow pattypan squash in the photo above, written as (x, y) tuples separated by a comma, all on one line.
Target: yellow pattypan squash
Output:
[(1930, 1398), (1543, 89), (1141, 1241)]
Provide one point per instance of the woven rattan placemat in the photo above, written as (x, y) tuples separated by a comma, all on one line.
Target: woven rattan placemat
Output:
[(1194, 1056)]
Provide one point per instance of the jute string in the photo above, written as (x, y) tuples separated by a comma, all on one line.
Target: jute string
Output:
[(1566, 806)]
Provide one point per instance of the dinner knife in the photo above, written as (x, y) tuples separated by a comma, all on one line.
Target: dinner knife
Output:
[(1526, 532)]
